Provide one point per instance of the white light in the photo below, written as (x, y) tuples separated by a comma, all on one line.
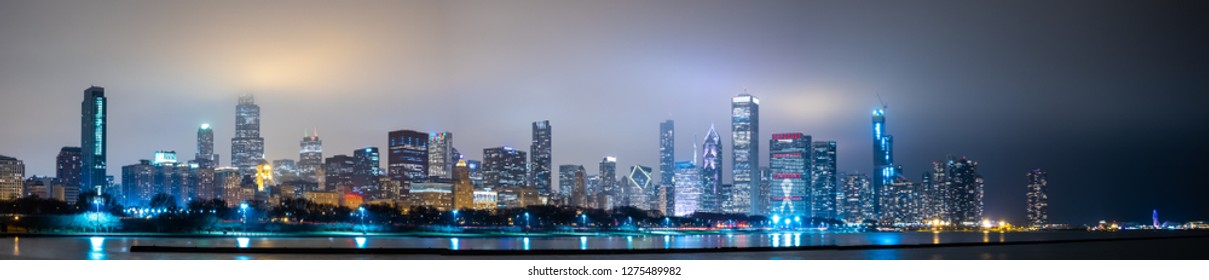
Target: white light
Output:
[(205, 126)]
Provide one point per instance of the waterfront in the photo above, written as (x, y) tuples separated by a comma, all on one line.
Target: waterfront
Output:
[(118, 247)]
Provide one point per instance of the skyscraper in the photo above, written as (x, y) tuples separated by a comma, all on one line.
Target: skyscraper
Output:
[(408, 159), (745, 150), (247, 148), (667, 152), (711, 171), (12, 178), (310, 157), (899, 203), (823, 194), (366, 171), (688, 188), (205, 157), (67, 166), (609, 188), (964, 193), (857, 203), (440, 155), (138, 182), (642, 191), (579, 191), (789, 162), (94, 125), (566, 178), (1038, 198), (883, 161), (463, 190), (539, 161), (338, 173), (933, 198), (503, 167)]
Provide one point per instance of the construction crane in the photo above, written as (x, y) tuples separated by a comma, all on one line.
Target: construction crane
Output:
[(884, 105)]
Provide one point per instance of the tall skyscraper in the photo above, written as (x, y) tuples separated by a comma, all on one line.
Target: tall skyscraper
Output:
[(964, 193), (138, 183), (463, 190), (883, 152), (67, 166), (94, 125), (823, 193), (205, 157), (745, 150), (539, 161), (476, 173), (1038, 198), (12, 177), (667, 152), (713, 196), (504, 167), (899, 203), (366, 171), (441, 155), (935, 184), (579, 191), (857, 203), (566, 178), (789, 160), (338, 173), (310, 157), (642, 191), (247, 148), (688, 188), (408, 159)]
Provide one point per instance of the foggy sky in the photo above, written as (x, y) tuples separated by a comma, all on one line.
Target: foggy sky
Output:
[(1105, 96)]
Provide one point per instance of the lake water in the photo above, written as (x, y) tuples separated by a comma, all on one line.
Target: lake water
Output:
[(118, 247)]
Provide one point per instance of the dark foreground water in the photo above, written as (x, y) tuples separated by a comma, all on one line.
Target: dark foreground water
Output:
[(114, 247)]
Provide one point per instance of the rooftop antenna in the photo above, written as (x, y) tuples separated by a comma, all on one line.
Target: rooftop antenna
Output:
[(884, 105), (694, 149)]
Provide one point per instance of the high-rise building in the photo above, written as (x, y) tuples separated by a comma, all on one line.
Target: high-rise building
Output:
[(883, 161), (965, 191), (138, 183), (227, 183), (566, 178), (608, 176), (504, 167), (408, 159), (539, 160), (205, 157), (857, 202), (688, 188), (247, 147), (745, 150), (713, 196), (823, 193), (338, 173), (93, 139), (285, 170), (899, 203), (365, 173), (641, 190), (476, 173), (12, 178), (310, 157), (1037, 198), (933, 198), (463, 190), (67, 166), (579, 191), (667, 152), (441, 156), (790, 160)]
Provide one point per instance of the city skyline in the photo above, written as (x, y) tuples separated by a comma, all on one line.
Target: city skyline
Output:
[(150, 116)]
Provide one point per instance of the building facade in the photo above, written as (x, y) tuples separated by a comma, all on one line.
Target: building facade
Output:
[(857, 203), (441, 155), (883, 154), (310, 157), (93, 139), (1037, 198), (688, 188), (789, 162), (714, 196), (67, 166), (12, 178), (667, 152), (539, 160), (463, 190), (745, 152), (823, 190), (408, 159), (247, 147), (504, 167)]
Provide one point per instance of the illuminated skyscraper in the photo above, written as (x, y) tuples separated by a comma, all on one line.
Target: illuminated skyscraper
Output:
[(476, 173), (338, 173), (857, 202), (579, 189), (247, 148), (711, 172), (463, 190), (641, 190), (823, 193), (408, 159), (93, 139), (310, 157), (441, 155), (67, 166), (964, 193), (745, 150), (12, 178), (883, 161), (688, 188), (566, 178), (539, 160), (608, 175), (933, 198), (503, 167), (366, 171), (205, 157), (899, 203), (138, 183), (789, 160), (1038, 198), (667, 152)]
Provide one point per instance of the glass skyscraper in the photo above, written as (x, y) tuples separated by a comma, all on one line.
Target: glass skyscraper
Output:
[(310, 157), (789, 162), (883, 161), (667, 152), (93, 139), (408, 159), (440, 155), (823, 198), (711, 172), (539, 160), (688, 188), (504, 167), (67, 166), (745, 150), (1037, 198), (642, 192), (247, 148), (857, 202), (964, 193), (366, 171)]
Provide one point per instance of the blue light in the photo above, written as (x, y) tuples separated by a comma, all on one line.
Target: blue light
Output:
[(360, 242), (583, 242), (242, 242), (453, 243), (776, 219), (526, 241), (97, 243)]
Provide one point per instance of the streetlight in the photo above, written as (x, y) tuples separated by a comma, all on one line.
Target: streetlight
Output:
[(526, 222), (243, 209), (584, 217), (362, 211), (455, 217)]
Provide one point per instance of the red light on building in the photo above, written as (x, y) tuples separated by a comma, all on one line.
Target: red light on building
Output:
[(786, 136)]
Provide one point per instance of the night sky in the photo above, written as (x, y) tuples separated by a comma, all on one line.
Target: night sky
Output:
[(1106, 96)]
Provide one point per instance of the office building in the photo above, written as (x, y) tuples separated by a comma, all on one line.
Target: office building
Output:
[(441, 155), (667, 152), (539, 160), (688, 188), (12, 178), (247, 147), (745, 152), (310, 157), (365, 172), (790, 161), (93, 139), (463, 190), (711, 172), (408, 159), (504, 167), (1037, 198), (67, 166), (857, 203), (823, 190)]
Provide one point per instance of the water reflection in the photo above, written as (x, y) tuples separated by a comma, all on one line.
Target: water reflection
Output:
[(98, 248), (667, 242), (526, 242), (453, 243), (583, 242), (986, 237), (935, 237), (242, 242), (16, 246), (629, 242), (360, 242)]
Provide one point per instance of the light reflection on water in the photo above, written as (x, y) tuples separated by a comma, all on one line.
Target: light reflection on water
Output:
[(242, 241), (360, 242), (453, 243)]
